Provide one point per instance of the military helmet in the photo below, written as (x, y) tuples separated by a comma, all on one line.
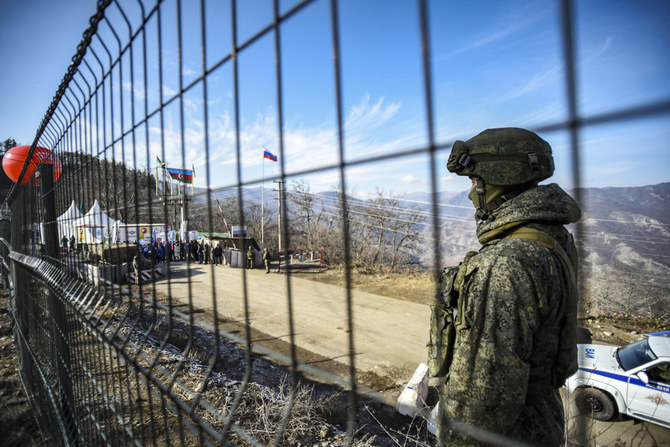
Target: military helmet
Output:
[(505, 156)]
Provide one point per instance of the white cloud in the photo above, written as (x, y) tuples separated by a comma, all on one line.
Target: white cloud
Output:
[(613, 168), (305, 148), (366, 116), (138, 91), (536, 82)]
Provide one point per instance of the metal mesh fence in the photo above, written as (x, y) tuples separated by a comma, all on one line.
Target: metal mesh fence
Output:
[(106, 362)]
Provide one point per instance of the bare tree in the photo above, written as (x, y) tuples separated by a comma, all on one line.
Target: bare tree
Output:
[(302, 204), (394, 230)]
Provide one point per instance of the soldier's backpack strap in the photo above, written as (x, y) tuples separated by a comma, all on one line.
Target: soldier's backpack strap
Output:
[(565, 362), (548, 241)]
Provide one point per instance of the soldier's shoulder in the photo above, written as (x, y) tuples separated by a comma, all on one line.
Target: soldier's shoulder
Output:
[(514, 248), (509, 253)]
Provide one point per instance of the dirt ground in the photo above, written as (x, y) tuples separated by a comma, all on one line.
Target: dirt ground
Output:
[(17, 426)]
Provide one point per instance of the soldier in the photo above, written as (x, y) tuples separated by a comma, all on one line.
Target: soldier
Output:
[(266, 259), (137, 266), (250, 258), (510, 308)]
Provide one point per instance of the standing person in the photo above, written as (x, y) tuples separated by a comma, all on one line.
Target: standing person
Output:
[(64, 242), (504, 332), (160, 253), (218, 255), (137, 265), (152, 256), (177, 251), (201, 251), (72, 243), (208, 251), (266, 259), (250, 258)]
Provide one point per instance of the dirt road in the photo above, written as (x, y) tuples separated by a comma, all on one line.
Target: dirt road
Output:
[(389, 334)]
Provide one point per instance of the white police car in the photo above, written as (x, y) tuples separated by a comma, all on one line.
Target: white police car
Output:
[(633, 380)]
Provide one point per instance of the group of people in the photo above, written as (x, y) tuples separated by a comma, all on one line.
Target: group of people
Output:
[(251, 258), (160, 252), (202, 252), (73, 243)]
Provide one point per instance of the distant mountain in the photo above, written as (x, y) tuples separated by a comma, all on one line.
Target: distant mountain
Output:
[(650, 201), (624, 245)]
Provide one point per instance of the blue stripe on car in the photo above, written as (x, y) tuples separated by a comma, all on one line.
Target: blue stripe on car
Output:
[(633, 380)]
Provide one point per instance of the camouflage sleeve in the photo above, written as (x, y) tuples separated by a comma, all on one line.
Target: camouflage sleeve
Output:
[(489, 375)]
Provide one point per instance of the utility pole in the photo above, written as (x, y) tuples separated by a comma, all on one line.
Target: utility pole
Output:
[(280, 199)]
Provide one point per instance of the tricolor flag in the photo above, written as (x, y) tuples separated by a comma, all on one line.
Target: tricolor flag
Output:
[(181, 175), (158, 161), (270, 155)]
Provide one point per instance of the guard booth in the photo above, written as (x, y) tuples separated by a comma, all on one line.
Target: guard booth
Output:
[(235, 249)]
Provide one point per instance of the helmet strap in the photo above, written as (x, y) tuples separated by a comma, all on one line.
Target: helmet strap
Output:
[(486, 205), (480, 189)]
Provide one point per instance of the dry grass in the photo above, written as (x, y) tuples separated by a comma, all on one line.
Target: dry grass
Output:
[(318, 412), (409, 285)]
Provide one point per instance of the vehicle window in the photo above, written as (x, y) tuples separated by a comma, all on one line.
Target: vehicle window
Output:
[(635, 354), (660, 373)]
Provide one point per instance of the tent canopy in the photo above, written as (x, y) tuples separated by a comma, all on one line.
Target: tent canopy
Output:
[(95, 218), (66, 221), (96, 226)]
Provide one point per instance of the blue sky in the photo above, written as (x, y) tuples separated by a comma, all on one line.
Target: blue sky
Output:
[(495, 64)]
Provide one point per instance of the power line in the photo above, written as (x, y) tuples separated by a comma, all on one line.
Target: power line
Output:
[(621, 221), (387, 208), (428, 214)]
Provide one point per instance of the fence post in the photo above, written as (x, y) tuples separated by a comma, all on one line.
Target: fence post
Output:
[(59, 326), (19, 297)]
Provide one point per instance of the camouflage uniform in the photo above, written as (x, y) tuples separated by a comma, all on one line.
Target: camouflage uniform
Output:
[(137, 267), (266, 259), (511, 295), (250, 258)]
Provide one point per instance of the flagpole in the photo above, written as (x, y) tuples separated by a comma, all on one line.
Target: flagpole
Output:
[(263, 206)]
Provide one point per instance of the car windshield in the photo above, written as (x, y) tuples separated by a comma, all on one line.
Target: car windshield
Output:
[(635, 354)]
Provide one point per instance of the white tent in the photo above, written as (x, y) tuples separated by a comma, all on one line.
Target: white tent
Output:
[(66, 221), (95, 226)]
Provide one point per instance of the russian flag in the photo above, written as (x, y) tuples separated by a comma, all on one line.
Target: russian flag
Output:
[(269, 155)]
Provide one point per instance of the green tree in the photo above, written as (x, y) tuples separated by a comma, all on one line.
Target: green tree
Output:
[(8, 144), (125, 194)]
